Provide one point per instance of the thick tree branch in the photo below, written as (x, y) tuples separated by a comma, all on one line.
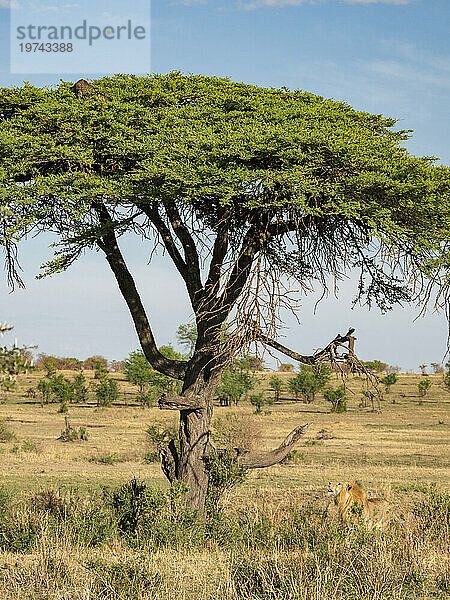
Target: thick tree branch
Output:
[(258, 460), (257, 234), (177, 402), (188, 269), (108, 243), (218, 255), (190, 250), (329, 352)]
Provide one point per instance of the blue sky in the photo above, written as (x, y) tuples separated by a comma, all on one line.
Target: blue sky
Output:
[(389, 57)]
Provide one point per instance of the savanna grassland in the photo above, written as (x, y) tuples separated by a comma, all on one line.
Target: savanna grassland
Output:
[(66, 532)]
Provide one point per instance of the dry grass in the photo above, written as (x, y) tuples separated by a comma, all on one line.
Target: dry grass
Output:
[(397, 453)]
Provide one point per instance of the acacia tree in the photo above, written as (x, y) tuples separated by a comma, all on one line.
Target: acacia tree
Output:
[(243, 188)]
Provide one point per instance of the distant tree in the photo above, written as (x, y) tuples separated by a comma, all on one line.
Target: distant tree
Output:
[(388, 381), (187, 337), (276, 385), (375, 366), (437, 368), (80, 390), (423, 387), (235, 382), (309, 381), (91, 363), (150, 382), (337, 398), (423, 368), (259, 400), (393, 369), (286, 368), (446, 378), (116, 366), (248, 362), (106, 391)]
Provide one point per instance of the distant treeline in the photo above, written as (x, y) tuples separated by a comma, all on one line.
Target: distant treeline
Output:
[(66, 363)]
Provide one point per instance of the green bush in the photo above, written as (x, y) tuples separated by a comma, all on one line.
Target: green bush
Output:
[(258, 401), (337, 398), (423, 387), (388, 381), (106, 391), (309, 381)]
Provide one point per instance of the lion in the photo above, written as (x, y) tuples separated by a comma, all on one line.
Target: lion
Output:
[(352, 502)]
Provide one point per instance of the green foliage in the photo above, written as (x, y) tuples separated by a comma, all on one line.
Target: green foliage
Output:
[(337, 398), (25, 446), (57, 388), (236, 381), (80, 391), (100, 368), (106, 391), (423, 387), (258, 401), (276, 384), (105, 459), (389, 380), (132, 502), (375, 365), (152, 456), (166, 137), (309, 381), (187, 337), (224, 474), (446, 378), (71, 434), (151, 384), (248, 362)]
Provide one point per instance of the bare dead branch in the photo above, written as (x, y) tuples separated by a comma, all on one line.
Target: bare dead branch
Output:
[(259, 460)]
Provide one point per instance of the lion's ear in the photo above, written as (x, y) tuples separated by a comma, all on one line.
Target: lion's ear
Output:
[(349, 487)]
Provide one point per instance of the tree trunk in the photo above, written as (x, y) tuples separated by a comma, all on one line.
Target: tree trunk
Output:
[(194, 442)]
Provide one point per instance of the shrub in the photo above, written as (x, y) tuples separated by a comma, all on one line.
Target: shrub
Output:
[(423, 387), (337, 398), (152, 456), (309, 381), (258, 401), (106, 391), (132, 502), (236, 381), (276, 384), (105, 459), (236, 431), (224, 474), (286, 368), (6, 434), (79, 388), (388, 381)]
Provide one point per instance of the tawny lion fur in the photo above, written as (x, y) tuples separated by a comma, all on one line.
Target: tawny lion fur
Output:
[(352, 501)]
